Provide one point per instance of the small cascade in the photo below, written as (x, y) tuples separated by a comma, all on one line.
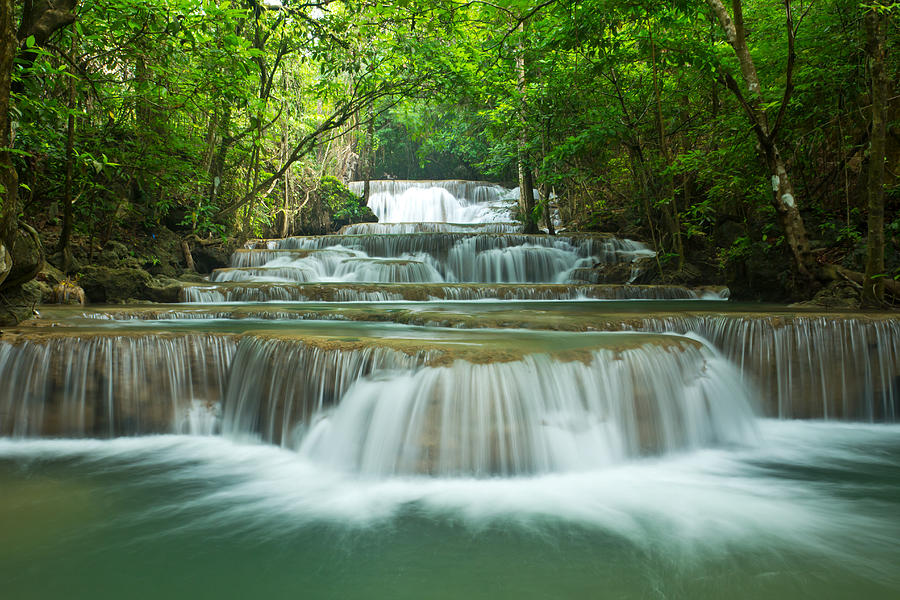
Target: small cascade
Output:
[(807, 367), (285, 292), (452, 201), (427, 258), (104, 386), (246, 257), (407, 228), (278, 386), (537, 415)]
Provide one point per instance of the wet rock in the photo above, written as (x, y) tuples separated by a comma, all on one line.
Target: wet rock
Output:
[(838, 294), (113, 285), (5, 263), (164, 289), (19, 303), (27, 256), (209, 258), (617, 272)]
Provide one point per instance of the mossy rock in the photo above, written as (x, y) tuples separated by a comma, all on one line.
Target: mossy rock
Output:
[(27, 254), (113, 285), (19, 303), (5, 263), (164, 289)]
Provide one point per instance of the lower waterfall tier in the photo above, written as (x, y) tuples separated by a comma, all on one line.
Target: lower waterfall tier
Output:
[(239, 291), (387, 406), (802, 365)]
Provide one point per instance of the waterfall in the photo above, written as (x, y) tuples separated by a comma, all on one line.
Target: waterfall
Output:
[(375, 409), (103, 386), (451, 255), (276, 387), (807, 367), (536, 415), (451, 201), (281, 292), (425, 227)]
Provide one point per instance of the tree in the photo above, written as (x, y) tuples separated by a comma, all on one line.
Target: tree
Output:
[(750, 97), (876, 23), (39, 21)]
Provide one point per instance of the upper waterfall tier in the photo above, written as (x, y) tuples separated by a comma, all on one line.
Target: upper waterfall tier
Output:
[(425, 227), (451, 201), (436, 257)]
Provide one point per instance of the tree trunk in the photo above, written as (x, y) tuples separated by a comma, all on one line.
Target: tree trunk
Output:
[(667, 196), (783, 196), (526, 180), (66, 232), (368, 158), (873, 287), (544, 191), (786, 208), (9, 180)]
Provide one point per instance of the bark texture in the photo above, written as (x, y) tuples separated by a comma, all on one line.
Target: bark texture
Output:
[(9, 181), (873, 287), (784, 198), (526, 179)]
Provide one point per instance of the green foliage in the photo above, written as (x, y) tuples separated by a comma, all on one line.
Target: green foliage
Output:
[(342, 204), (183, 107)]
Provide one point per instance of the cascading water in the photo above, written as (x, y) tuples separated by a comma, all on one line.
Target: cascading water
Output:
[(377, 410), (432, 257), (451, 201), (388, 459), (113, 385), (536, 415), (441, 232)]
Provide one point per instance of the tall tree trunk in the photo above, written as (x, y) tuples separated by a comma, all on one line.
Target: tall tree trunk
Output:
[(9, 179), (526, 180), (544, 192), (368, 159), (784, 198), (667, 195), (217, 164), (66, 232), (876, 31)]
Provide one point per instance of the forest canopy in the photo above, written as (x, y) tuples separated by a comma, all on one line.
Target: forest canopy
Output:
[(754, 139)]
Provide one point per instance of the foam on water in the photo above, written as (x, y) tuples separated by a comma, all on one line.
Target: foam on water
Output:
[(702, 502), (450, 201)]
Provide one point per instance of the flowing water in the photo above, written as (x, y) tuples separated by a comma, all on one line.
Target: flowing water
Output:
[(335, 417)]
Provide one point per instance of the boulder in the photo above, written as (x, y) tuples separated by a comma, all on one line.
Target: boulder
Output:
[(113, 285), (211, 257), (19, 303), (5, 263), (27, 256), (164, 289)]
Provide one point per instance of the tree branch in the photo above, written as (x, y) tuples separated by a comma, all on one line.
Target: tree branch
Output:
[(789, 70)]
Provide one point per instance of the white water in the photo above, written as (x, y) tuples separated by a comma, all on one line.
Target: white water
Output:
[(427, 258), (436, 201), (537, 415), (429, 232), (706, 501), (381, 411)]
